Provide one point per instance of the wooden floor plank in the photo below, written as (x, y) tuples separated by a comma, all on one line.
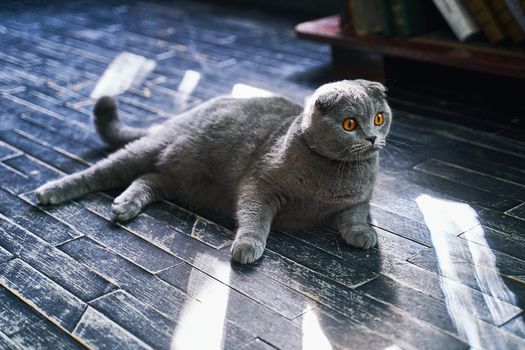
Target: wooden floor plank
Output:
[(467, 270), (257, 344), (516, 326), (450, 148), (389, 244), (98, 332), (240, 309), (509, 244), (412, 184), (341, 332), (52, 262), (13, 180), (172, 302), (15, 315), (5, 255), (173, 218), (41, 152), (462, 323), (186, 248), (354, 305), (140, 251), (518, 211), (483, 256), (471, 178), (464, 134), (6, 343), (328, 265), (126, 275), (154, 328), (44, 335), (502, 222), (35, 220), (49, 298), (429, 282), (7, 151)]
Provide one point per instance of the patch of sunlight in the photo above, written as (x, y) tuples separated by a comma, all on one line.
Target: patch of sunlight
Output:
[(392, 347), (189, 82), (124, 71), (447, 213), (202, 324), (313, 335), (245, 91), (462, 305)]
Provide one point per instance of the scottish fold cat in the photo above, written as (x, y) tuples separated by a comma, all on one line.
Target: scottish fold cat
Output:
[(266, 160)]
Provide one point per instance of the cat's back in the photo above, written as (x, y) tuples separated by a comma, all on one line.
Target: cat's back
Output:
[(227, 127), (227, 114)]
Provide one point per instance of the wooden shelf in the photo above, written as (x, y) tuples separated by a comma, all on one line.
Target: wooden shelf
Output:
[(433, 48)]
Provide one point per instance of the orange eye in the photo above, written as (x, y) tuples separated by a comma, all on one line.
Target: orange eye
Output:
[(379, 119), (349, 124)]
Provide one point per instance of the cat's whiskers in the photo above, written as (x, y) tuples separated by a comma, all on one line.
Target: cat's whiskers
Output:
[(344, 151), (339, 168), (388, 153), (399, 150), (402, 143)]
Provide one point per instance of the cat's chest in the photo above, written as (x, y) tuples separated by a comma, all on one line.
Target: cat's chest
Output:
[(336, 185)]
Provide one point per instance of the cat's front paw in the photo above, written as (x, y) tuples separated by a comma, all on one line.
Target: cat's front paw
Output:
[(125, 208), (246, 249), (51, 193), (360, 236)]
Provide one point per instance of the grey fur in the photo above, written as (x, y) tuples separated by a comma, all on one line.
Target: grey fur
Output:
[(272, 162), (114, 133)]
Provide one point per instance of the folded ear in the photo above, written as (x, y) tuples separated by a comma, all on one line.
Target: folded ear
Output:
[(326, 100), (373, 88)]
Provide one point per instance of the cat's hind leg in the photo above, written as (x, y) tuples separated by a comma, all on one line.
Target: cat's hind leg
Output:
[(144, 190), (119, 169)]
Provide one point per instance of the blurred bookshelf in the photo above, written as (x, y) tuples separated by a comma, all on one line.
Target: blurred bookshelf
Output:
[(437, 47)]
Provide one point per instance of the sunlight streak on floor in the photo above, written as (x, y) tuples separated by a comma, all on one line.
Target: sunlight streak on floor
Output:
[(462, 306), (124, 71), (313, 335), (244, 91), (202, 324), (489, 281), (447, 213), (393, 347), (189, 82)]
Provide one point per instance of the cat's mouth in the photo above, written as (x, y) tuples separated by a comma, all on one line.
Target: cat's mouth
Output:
[(366, 149)]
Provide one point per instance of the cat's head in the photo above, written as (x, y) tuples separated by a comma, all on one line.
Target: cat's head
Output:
[(347, 120)]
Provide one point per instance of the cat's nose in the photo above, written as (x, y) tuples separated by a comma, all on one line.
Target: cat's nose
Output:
[(372, 139)]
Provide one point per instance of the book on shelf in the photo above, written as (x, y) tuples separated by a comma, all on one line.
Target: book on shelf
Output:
[(366, 16), (499, 20), (387, 18), (347, 23), (458, 18), (507, 20), (487, 20), (412, 17), (517, 11)]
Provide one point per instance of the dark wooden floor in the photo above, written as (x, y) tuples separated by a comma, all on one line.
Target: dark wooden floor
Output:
[(449, 271)]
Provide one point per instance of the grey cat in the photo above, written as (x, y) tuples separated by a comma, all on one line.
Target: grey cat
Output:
[(270, 161)]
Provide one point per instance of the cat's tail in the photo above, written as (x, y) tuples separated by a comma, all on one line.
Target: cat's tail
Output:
[(111, 130)]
